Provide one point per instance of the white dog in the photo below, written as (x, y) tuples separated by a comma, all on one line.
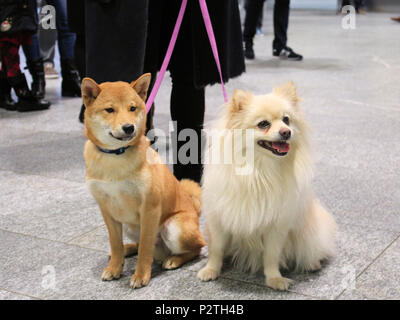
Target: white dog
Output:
[(268, 218)]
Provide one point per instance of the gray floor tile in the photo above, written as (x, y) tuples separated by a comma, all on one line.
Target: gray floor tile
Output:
[(62, 117), (380, 280), (6, 295), (68, 272), (96, 239), (357, 248), (360, 198), (48, 154), (46, 208)]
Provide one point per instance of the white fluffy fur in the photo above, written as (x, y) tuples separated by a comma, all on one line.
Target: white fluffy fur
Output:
[(269, 218)]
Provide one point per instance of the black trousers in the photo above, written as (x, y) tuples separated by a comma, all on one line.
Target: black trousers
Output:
[(359, 4), (187, 107), (281, 21)]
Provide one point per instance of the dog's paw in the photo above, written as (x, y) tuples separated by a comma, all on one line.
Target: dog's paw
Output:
[(315, 267), (279, 283), (172, 262), (111, 273), (138, 281), (207, 274)]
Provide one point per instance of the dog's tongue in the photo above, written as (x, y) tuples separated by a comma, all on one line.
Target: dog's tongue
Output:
[(281, 147)]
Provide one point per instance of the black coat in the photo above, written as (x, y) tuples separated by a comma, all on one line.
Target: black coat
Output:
[(18, 16), (192, 57), (115, 33)]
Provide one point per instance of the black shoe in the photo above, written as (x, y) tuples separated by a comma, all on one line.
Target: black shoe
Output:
[(6, 102), (248, 50), (71, 81), (26, 101), (38, 85), (82, 114), (287, 54)]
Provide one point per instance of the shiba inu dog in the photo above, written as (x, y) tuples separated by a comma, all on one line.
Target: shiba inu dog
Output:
[(134, 189), (270, 217)]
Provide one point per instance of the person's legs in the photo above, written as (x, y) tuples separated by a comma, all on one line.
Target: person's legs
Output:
[(10, 59), (360, 6), (32, 50), (35, 65), (187, 109), (253, 9), (17, 80), (346, 3), (66, 38), (47, 40), (261, 17), (66, 46), (6, 102), (281, 21)]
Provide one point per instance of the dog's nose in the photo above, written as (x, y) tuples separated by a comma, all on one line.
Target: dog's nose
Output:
[(128, 128), (285, 133)]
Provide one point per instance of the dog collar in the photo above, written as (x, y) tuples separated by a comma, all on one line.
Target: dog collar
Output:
[(116, 151)]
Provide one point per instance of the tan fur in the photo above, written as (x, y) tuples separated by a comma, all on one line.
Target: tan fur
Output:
[(141, 196), (194, 191), (268, 218)]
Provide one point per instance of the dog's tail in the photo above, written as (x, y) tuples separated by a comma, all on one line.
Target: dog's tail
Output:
[(194, 191)]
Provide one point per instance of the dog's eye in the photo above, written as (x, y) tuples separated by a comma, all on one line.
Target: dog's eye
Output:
[(263, 124), (110, 110), (132, 108), (286, 120)]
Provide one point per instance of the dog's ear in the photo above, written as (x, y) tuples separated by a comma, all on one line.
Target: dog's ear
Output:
[(240, 100), (141, 85), (90, 90), (288, 91)]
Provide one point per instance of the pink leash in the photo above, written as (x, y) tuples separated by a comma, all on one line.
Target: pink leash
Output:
[(211, 37)]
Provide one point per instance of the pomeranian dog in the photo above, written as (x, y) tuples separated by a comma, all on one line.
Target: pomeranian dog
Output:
[(135, 191), (268, 218)]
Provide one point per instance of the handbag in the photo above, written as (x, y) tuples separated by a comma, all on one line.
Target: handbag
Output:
[(17, 16)]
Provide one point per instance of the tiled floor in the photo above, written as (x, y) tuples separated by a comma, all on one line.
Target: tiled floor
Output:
[(53, 240)]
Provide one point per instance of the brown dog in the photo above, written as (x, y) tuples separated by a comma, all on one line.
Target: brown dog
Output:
[(132, 186)]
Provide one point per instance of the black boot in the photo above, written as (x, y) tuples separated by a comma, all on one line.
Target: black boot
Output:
[(26, 101), (248, 50), (71, 81), (38, 86), (6, 102)]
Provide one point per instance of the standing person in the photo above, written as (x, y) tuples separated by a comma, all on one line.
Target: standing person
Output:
[(192, 66), (18, 23), (111, 37), (281, 22), (358, 4), (260, 17), (71, 82)]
